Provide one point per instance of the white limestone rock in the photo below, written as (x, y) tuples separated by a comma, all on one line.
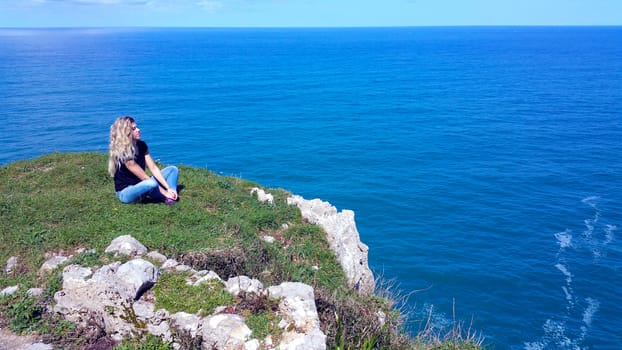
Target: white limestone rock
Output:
[(300, 320), (314, 340), (235, 285), (109, 293), (186, 322), (11, 264), (139, 275), (252, 344), (144, 310), (262, 195), (162, 329), (343, 238), (74, 276), (52, 263), (202, 276), (225, 331), (157, 256), (35, 292), (183, 268), (9, 291), (169, 264), (126, 245)]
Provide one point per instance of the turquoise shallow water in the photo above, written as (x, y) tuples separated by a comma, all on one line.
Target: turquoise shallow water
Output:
[(483, 163)]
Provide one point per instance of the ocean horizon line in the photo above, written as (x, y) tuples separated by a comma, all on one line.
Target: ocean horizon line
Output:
[(328, 27)]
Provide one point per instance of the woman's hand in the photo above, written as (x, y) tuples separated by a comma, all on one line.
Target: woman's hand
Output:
[(171, 193)]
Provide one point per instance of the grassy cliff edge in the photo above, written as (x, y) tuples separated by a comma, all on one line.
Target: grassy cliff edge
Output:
[(63, 203)]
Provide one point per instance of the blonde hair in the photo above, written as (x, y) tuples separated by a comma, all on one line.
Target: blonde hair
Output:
[(122, 147)]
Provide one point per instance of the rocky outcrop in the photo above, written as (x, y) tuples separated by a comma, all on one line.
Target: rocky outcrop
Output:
[(300, 320), (343, 238), (107, 294), (111, 297)]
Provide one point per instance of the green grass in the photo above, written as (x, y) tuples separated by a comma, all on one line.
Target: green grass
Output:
[(58, 203), (175, 295), (148, 343), (263, 324), (24, 313)]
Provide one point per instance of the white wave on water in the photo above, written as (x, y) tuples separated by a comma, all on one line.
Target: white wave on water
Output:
[(564, 271), (554, 337), (590, 310), (569, 330), (589, 224), (564, 239), (568, 292), (593, 238), (591, 200), (609, 234)]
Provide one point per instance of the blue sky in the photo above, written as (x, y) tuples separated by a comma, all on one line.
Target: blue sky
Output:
[(306, 13)]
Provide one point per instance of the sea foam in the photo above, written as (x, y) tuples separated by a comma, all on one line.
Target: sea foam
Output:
[(564, 239)]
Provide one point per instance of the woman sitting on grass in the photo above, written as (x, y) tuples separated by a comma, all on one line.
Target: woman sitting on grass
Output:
[(128, 157)]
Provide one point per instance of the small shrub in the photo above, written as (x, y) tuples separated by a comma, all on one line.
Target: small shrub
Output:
[(149, 342), (353, 322), (24, 314), (185, 340), (63, 327), (261, 316), (225, 262), (67, 335), (224, 184), (263, 324)]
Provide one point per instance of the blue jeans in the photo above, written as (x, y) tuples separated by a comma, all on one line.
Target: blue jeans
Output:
[(149, 187)]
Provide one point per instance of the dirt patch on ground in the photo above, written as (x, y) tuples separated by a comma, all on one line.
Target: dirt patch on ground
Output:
[(11, 341)]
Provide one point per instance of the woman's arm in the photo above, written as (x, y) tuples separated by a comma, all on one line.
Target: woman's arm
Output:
[(155, 171), (132, 166)]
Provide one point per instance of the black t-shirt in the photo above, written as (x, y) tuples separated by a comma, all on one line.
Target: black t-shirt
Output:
[(123, 177)]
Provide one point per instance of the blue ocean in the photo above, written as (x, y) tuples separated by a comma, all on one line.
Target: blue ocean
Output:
[(484, 164)]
